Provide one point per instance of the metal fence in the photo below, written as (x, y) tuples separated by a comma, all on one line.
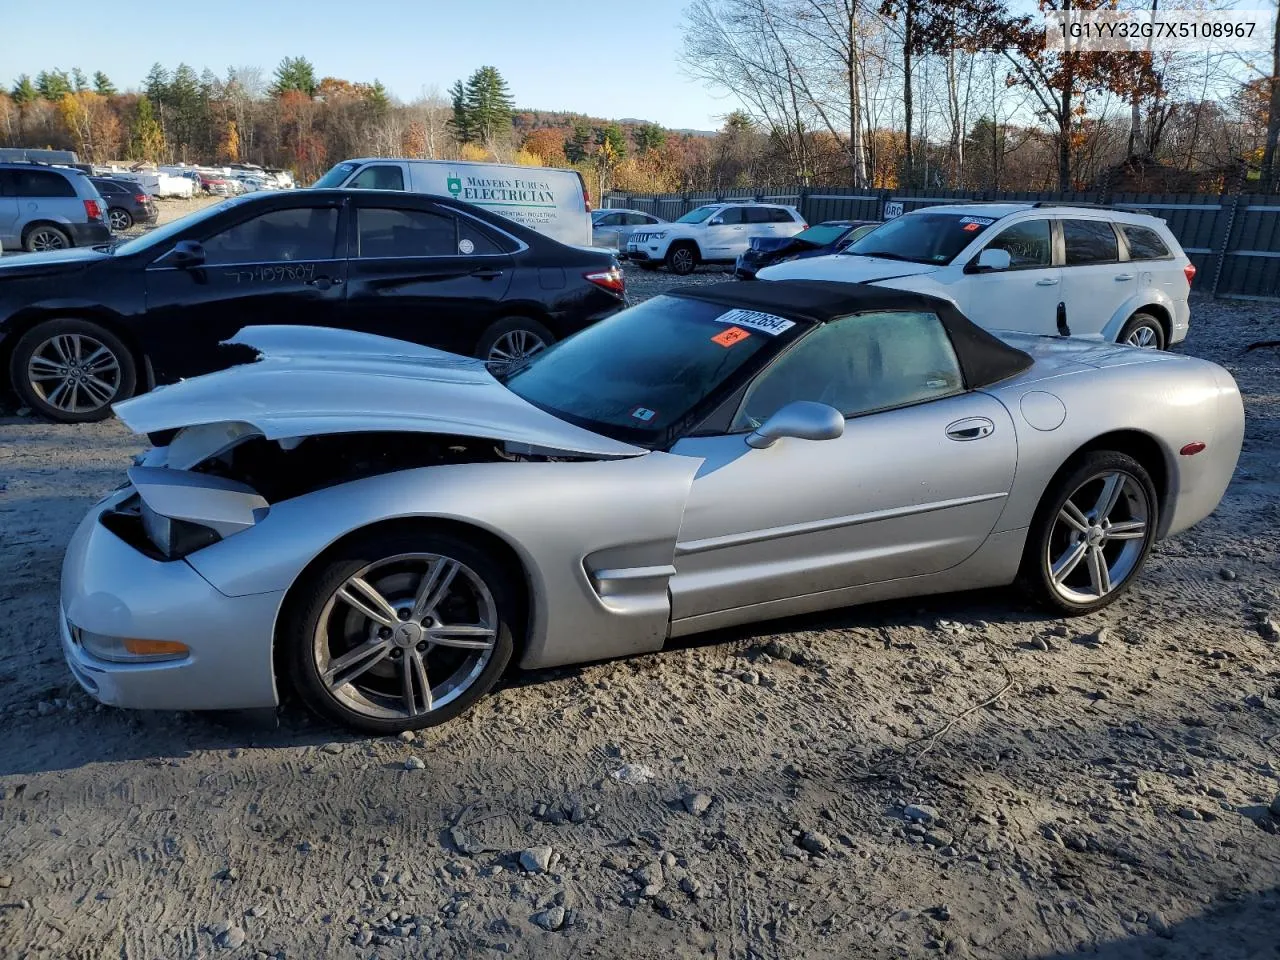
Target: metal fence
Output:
[(1233, 239)]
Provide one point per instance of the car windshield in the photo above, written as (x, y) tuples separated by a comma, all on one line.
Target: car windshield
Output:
[(822, 234), (336, 175), (640, 373), (163, 233), (697, 215), (921, 237)]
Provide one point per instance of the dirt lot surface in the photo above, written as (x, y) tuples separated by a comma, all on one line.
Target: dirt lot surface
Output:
[(956, 776)]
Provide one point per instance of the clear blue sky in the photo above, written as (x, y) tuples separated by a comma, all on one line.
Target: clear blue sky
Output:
[(605, 59)]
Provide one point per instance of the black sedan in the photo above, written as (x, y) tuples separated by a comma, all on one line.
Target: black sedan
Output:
[(127, 203), (81, 329), (831, 236)]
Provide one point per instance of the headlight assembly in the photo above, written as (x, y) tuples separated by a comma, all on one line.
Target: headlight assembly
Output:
[(183, 512)]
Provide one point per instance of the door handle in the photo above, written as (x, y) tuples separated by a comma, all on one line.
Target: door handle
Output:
[(971, 428), (487, 273), (1046, 282), (1123, 276), (323, 283)]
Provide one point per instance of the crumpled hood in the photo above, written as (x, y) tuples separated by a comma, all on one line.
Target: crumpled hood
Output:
[(844, 268), (314, 380)]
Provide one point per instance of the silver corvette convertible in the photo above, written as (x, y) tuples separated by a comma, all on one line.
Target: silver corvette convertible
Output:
[(386, 527)]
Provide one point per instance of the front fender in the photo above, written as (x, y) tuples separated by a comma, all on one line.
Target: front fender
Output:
[(596, 540)]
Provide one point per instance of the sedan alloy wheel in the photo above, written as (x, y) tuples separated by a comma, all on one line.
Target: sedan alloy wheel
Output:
[(75, 373), (406, 636), (514, 346), (120, 219)]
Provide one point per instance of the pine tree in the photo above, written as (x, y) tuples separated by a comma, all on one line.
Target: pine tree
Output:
[(53, 84), (146, 139), (613, 140), (79, 82), (578, 146), (295, 73), (650, 136), (24, 91), (156, 86), (378, 99), (102, 84), (460, 124), (488, 106)]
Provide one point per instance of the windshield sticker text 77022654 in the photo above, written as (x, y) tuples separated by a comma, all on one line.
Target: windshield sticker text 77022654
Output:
[(754, 320)]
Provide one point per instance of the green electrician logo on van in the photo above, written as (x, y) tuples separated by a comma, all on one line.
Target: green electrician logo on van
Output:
[(454, 184)]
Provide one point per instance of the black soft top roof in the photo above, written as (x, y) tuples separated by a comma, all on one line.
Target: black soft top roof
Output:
[(984, 358)]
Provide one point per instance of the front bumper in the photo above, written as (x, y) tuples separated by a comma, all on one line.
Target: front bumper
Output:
[(88, 234), (110, 588)]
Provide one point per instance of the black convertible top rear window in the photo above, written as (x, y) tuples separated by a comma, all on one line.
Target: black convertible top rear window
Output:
[(984, 358)]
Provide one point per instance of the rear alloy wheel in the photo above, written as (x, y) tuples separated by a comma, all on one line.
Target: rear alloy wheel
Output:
[(682, 259), (71, 371), (511, 341), (44, 239), (1092, 533), (407, 639), (1143, 330), (120, 219)]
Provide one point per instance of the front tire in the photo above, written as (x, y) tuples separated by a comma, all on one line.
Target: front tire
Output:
[(400, 631), (682, 259), (1143, 330), (1091, 534), (71, 371)]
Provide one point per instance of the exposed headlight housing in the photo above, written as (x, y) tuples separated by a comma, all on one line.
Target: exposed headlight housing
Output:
[(183, 512), (175, 538), (660, 235)]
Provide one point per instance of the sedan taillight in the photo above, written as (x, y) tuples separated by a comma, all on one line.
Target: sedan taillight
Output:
[(93, 209), (1190, 272), (611, 280), (141, 198)]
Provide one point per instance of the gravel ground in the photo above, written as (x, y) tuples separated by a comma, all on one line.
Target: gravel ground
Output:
[(955, 776)]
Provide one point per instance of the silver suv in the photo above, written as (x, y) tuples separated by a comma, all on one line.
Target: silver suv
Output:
[(46, 208)]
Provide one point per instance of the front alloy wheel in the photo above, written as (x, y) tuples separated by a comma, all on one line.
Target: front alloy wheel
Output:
[(407, 640), (1092, 533)]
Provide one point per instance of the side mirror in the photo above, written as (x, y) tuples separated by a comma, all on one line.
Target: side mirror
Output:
[(803, 419), (715, 222), (187, 253), (990, 259)]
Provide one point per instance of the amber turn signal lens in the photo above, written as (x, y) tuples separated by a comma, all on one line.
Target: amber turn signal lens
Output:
[(156, 648)]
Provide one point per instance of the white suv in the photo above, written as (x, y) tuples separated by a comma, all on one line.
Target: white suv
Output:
[(1037, 268), (714, 233)]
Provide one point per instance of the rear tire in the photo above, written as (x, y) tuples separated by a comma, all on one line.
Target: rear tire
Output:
[(1143, 330), (120, 219), (44, 238), (370, 692), (1091, 534), (682, 259), (511, 340), (71, 371)]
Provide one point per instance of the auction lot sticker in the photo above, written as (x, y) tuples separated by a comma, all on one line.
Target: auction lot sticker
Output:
[(753, 320)]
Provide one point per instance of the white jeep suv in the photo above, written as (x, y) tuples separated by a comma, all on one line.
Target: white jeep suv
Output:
[(714, 233), (1037, 268)]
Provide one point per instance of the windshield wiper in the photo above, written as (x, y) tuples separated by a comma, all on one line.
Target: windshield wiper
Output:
[(882, 254)]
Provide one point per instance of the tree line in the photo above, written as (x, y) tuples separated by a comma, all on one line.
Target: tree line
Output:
[(865, 93)]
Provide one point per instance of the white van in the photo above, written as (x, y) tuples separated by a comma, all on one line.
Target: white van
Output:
[(553, 202)]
